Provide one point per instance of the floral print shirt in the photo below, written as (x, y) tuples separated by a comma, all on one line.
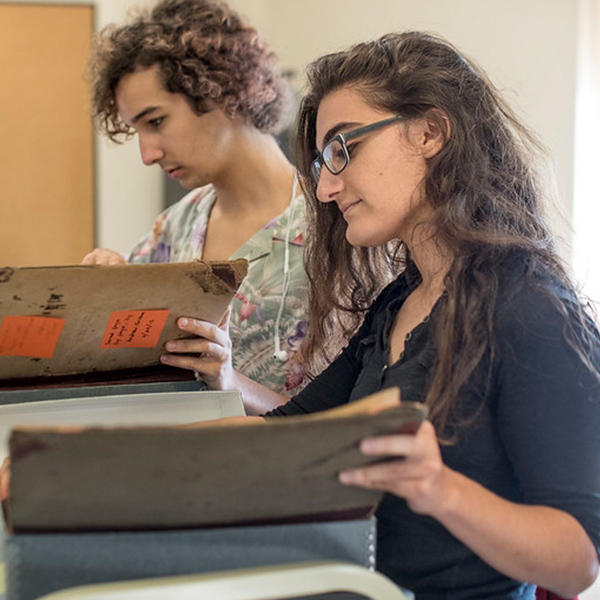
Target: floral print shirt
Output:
[(178, 236)]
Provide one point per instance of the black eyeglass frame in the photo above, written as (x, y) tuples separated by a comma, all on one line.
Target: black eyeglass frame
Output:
[(317, 164)]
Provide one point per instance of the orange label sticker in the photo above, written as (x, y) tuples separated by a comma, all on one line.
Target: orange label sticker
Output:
[(35, 337), (134, 328)]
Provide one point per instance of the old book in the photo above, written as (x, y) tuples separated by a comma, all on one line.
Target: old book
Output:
[(166, 477), (62, 321), (284, 469)]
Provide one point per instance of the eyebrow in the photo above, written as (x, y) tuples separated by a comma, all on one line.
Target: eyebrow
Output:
[(336, 129), (143, 113)]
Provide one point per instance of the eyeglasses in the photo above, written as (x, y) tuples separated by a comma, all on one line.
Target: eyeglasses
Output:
[(335, 155)]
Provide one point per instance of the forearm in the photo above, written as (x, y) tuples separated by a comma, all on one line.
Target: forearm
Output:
[(257, 398), (539, 544)]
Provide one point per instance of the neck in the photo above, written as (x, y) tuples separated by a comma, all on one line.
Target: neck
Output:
[(257, 178), (433, 262)]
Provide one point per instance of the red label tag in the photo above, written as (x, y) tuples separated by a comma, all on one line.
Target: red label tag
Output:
[(35, 337), (134, 328)]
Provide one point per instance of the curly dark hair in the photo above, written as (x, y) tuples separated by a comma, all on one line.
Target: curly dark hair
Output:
[(204, 51), (483, 188)]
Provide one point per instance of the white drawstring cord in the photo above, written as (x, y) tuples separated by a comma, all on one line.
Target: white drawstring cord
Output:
[(278, 353)]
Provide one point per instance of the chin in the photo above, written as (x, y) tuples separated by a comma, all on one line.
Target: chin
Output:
[(186, 183), (195, 182), (364, 239)]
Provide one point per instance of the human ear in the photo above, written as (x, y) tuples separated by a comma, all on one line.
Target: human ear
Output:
[(434, 133)]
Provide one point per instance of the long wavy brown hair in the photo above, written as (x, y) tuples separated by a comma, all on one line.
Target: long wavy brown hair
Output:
[(482, 186), (204, 50)]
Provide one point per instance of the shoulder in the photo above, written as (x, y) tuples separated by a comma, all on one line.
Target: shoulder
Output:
[(534, 302), (540, 319)]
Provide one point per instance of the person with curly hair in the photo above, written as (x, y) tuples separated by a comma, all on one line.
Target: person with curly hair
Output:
[(204, 94)]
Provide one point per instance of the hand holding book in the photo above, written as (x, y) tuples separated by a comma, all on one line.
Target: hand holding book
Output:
[(416, 473)]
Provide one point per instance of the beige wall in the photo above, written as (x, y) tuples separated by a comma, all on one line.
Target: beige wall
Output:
[(528, 48)]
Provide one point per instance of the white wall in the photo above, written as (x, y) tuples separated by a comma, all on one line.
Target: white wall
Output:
[(586, 216), (527, 48)]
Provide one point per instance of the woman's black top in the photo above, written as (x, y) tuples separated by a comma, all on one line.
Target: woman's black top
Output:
[(534, 438)]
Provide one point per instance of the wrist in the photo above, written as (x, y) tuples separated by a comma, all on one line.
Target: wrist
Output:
[(224, 379), (451, 495), (231, 380)]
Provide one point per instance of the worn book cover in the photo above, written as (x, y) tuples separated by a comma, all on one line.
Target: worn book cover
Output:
[(283, 469), (86, 319)]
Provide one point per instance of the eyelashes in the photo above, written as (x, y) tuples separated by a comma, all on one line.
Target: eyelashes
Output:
[(156, 122)]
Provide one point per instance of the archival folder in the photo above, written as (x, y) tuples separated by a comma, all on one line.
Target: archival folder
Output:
[(284, 469), (57, 321)]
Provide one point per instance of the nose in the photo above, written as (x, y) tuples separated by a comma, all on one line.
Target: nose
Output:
[(149, 151), (329, 186)]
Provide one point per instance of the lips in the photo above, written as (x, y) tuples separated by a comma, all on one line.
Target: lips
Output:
[(173, 173), (344, 208)]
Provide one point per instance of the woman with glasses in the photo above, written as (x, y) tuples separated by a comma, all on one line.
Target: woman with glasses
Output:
[(203, 94), (414, 166)]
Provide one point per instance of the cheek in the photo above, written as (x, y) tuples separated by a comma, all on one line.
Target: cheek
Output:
[(408, 180)]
